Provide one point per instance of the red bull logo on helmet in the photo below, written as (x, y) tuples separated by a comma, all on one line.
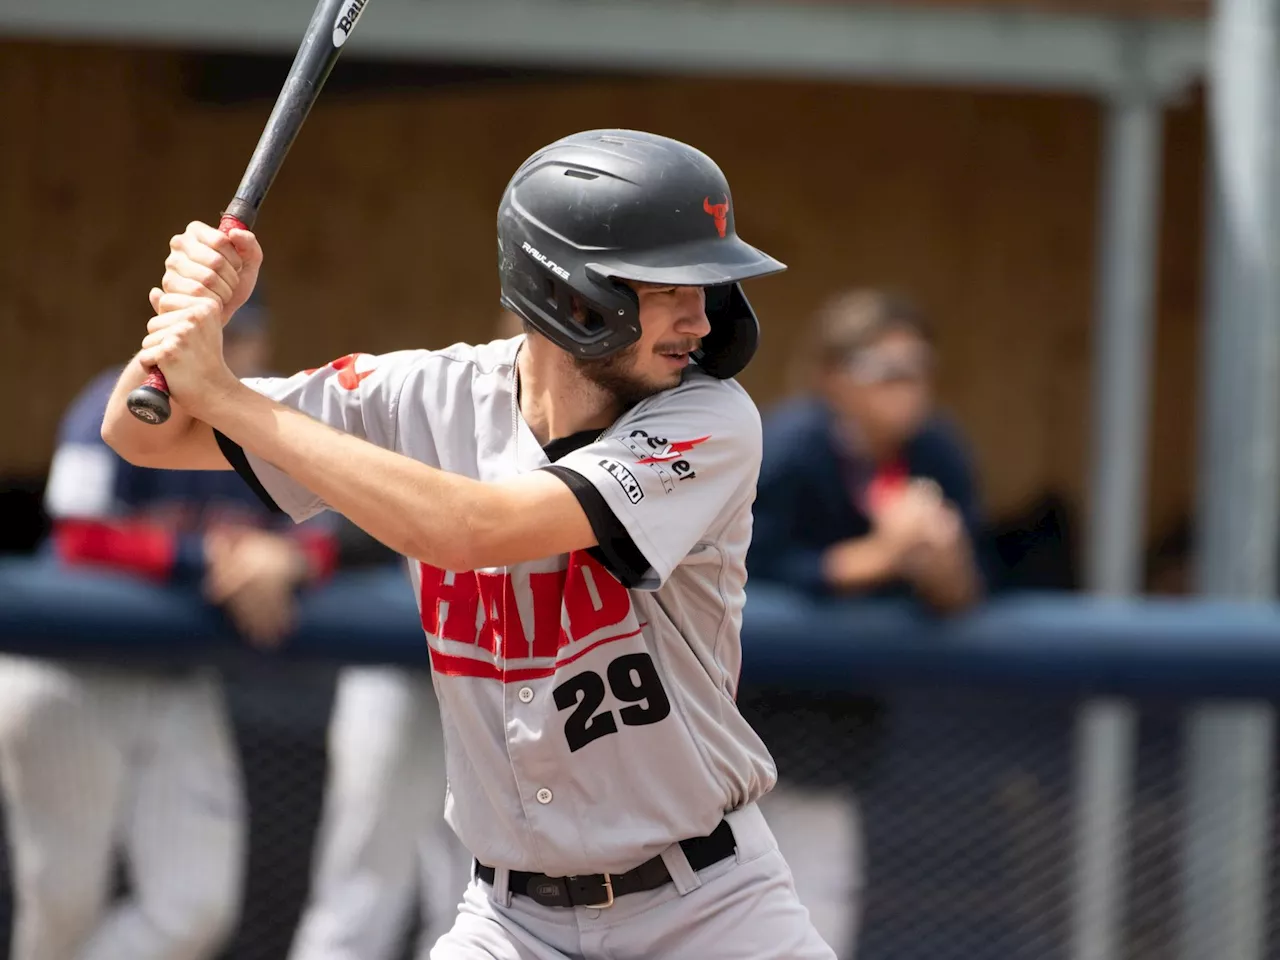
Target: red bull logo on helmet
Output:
[(719, 212)]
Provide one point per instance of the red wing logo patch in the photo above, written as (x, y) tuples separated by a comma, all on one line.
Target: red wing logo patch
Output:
[(674, 450), (348, 377), (718, 212)]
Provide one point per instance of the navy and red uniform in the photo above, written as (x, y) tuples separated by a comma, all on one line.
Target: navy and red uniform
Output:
[(105, 511), (815, 493), (102, 758)]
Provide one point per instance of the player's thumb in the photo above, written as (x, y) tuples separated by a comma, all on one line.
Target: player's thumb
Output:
[(247, 246), (250, 252)]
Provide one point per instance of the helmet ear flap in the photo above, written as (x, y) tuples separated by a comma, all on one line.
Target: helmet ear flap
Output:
[(735, 333)]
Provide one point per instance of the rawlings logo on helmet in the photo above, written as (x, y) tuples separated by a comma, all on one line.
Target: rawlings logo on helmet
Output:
[(719, 211), (551, 265)]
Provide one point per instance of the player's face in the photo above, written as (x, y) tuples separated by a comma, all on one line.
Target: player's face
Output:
[(673, 321), (886, 387)]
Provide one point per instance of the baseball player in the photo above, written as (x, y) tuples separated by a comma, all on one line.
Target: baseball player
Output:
[(575, 507)]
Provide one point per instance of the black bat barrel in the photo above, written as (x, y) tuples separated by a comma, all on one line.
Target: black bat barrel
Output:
[(331, 24)]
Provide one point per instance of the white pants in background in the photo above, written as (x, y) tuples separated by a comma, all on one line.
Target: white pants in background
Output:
[(382, 833), (819, 833), (98, 762)]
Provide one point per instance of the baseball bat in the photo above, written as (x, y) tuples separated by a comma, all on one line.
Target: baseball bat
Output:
[(331, 24)]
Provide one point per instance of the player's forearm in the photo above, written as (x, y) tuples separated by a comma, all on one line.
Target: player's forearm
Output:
[(128, 436), (449, 521)]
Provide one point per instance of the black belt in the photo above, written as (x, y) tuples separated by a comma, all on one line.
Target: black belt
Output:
[(600, 889)]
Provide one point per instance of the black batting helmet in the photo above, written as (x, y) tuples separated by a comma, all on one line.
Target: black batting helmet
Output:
[(604, 206)]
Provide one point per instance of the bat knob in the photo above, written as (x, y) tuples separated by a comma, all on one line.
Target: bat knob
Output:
[(149, 404)]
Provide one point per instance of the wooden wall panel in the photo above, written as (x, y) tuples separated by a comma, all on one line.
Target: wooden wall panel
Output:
[(1178, 336), (379, 231)]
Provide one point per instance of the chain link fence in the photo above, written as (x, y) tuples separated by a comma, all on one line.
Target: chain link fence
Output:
[(967, 810), (964, 795)]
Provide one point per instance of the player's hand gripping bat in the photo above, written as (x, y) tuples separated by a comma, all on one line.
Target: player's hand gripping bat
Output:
[(331, 24)]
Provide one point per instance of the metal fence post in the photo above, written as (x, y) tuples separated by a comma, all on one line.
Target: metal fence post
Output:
[(1105, 730), (1230, 747)]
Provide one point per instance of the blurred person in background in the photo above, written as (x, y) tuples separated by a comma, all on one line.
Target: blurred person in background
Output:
[(386, 783), (864, 491), (99, 760)]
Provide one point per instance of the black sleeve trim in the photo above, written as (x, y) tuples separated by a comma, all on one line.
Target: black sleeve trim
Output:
[(616, 550), (356, 549), (240, 464)]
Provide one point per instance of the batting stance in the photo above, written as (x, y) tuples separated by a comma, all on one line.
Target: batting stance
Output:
[(575, 505)]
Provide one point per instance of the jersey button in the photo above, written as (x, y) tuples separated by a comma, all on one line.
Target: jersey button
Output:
[(525, 694), (544, 795)]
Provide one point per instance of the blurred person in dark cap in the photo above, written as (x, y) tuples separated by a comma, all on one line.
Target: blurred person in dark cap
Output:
[(864, 491), (103, 760)]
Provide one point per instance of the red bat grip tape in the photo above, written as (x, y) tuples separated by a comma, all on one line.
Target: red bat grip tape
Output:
[(156, 380)]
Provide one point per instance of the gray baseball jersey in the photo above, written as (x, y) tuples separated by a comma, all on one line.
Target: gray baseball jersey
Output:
[(588, 724)]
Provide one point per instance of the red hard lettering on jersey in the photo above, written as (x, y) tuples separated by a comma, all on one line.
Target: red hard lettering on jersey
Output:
[(502, 632), (449, 609), (593, 598), (586, 595), (548, 596)]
